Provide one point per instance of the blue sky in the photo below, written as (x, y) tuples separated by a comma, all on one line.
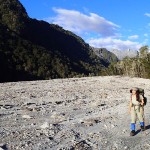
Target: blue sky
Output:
[(113, 24)]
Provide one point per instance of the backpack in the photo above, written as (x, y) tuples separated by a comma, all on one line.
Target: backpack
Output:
[(141, 92)]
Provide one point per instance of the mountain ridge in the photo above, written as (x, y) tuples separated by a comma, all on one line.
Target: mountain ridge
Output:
[(125, 53), (105, 54), (35, 49)]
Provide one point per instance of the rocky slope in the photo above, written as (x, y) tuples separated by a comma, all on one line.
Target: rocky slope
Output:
[(106, 55), (125, 53), (76, 113)]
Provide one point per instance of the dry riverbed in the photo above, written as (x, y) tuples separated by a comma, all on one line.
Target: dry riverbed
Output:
[(71, 114)]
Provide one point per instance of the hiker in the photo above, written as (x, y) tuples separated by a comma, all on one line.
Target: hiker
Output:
[(136, 109)]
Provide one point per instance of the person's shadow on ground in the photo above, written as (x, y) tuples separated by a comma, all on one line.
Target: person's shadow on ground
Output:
[(147, 127), (139, 130)]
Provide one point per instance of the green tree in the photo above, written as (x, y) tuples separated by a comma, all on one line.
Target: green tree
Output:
[(144, 51)]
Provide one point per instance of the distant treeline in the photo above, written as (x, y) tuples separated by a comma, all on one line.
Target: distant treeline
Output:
[(134, 67)]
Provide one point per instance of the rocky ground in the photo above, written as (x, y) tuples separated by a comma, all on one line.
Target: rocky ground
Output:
[(71, 114)]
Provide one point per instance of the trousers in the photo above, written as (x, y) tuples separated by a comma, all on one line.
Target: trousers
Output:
[(137, 112)]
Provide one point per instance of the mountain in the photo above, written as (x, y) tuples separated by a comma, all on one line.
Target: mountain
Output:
[(32, 49), (125, 53), (106, 55), (13, 15)]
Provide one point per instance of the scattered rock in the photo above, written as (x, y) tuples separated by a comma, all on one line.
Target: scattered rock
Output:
[(3, 147), (70, 114), (82, 145), (26, 117), (45, 125)]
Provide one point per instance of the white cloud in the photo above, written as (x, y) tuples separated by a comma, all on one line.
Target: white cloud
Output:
[(110, 43), (147, 14), (93, 25), (80, 23), (145, 41), (146, 35), (133, 37)]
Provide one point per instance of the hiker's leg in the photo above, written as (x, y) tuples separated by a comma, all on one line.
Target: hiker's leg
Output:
[(133, 119), (142, 124), (132, 127), (142, 113), (141, 119), (133, 115)]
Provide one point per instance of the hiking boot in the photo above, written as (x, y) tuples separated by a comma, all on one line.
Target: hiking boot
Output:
[(142, 128), (132, 133)]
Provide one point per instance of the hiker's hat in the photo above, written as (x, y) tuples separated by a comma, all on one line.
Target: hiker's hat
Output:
[(135, 89)]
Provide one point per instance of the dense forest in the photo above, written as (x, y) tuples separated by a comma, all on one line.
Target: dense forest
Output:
[(33, 50), (135, 67)]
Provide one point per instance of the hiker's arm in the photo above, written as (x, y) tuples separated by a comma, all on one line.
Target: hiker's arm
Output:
[(142, 102)]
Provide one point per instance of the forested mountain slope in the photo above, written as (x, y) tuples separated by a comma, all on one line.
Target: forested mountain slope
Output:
[(32, 49)]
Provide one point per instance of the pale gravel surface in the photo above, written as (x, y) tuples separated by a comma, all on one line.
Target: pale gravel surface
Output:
[(66, 114)]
